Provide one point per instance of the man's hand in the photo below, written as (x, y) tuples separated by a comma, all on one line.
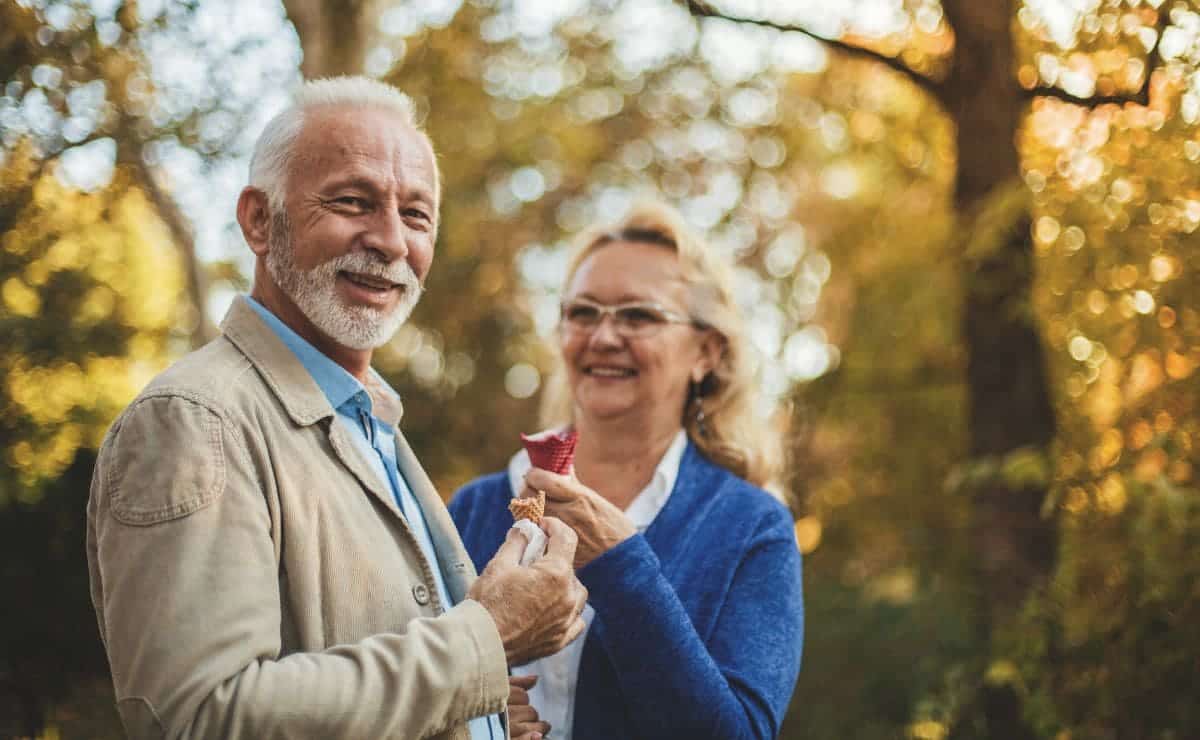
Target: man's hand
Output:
[(536, 607), (599, 525), (524, 719)]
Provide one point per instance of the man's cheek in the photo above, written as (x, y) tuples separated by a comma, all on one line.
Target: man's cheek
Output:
[(422, 263)]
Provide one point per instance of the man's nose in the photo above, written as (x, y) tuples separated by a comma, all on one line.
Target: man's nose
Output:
[(388, 235)]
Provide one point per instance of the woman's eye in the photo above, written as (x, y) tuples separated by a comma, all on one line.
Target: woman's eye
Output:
[(636, 316), (582, 314)]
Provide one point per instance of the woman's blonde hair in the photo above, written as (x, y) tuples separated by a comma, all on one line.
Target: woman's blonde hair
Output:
[(732, 431)]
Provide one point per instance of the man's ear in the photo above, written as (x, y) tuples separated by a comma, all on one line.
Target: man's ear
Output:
[(254, 216)]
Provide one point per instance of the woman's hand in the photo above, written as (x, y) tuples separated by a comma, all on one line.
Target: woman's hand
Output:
[(523, 718), (600, 525)]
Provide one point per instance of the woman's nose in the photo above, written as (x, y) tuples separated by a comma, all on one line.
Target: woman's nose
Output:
[(605, 333)]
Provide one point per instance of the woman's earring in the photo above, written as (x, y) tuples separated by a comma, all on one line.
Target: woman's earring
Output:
[(695, 394)]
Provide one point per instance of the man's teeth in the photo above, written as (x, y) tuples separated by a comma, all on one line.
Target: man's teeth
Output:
[(370, 281), (611, 372)]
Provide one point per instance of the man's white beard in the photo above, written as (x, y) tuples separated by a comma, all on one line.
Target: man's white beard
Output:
[(315, 291)]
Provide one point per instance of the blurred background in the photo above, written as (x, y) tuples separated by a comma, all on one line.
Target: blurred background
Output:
[(966, 238)]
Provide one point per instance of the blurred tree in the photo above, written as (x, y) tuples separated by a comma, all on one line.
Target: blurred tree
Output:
[(90, 286), (545, 125), (100, 286), (334, 36), (989, 75), (974, 561), (84, 80)]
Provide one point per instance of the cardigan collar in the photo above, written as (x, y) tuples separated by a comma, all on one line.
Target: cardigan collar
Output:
[(698, 482)]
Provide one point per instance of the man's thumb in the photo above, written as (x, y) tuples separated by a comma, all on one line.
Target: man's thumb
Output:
[(512, 547)]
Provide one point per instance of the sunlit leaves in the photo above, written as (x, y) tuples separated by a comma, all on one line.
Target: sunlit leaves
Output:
[(1115, 247), (91, 287), (1118, 206), (1089, 48)]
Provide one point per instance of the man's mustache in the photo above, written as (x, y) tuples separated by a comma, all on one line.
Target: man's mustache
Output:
[(359, 262)]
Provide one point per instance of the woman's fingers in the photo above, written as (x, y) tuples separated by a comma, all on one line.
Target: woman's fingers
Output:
[(518, 689), (524, 722), (557, 487), (523, 718), (524, 682), (517, 696)]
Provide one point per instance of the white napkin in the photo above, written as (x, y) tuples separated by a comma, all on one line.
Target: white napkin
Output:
[(537, 540)]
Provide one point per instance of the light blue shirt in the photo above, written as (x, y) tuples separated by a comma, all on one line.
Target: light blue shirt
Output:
[(377, 441)]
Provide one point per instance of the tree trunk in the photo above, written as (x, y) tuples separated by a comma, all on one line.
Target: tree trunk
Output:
[(333, 35), (1009, 406), (195, 277)]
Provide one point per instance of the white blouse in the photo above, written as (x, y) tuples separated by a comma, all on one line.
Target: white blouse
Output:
[(554, 694)]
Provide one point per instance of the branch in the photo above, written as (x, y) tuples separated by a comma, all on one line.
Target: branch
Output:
[(1141, 96), (702, 9)]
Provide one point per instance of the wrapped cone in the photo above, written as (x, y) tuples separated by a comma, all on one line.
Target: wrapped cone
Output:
[(531, 508), (551, 450)]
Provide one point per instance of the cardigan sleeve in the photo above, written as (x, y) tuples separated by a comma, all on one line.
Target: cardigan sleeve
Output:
[(734, 684)]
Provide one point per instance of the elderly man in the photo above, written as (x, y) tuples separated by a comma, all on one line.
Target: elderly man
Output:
[(267, 557)]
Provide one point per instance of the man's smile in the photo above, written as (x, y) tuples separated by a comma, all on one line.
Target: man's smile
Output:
[(372, 282)]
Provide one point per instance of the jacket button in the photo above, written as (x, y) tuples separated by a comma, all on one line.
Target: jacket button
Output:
[(421, 593)]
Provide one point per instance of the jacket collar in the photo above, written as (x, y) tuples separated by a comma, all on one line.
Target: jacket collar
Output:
[(286, 375)]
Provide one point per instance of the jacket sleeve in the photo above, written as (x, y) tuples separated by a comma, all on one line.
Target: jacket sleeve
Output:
[(737, 682), (479, 513), (186, 590)]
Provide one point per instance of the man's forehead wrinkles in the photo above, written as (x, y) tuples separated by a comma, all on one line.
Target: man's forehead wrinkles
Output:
[(336, 151)]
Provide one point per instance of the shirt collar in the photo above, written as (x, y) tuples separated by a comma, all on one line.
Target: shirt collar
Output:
[(653, 497), (338, 385)]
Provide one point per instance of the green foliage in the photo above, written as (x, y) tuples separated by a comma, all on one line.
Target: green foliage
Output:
[(1107, 650), (876, 664), (90, 284)]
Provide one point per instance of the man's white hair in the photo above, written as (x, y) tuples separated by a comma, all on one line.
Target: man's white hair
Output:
[(273, 151)]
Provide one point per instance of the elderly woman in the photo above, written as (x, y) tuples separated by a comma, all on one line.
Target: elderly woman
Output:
[(694, 613)]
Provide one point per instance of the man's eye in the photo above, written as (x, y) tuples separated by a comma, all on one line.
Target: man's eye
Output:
[(418, 214), (351, 201)]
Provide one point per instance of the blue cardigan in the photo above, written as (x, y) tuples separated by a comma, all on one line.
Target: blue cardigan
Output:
[(699, 621)]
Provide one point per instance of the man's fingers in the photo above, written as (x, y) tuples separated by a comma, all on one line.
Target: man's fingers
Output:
[(576, 629), (581, 595), (562, 540), (512, 547), (524, 682)]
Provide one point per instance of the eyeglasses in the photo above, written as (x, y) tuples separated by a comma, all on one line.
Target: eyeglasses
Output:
[(630, 320)]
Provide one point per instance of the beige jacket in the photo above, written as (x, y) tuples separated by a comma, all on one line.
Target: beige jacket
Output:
[(253, 578)]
